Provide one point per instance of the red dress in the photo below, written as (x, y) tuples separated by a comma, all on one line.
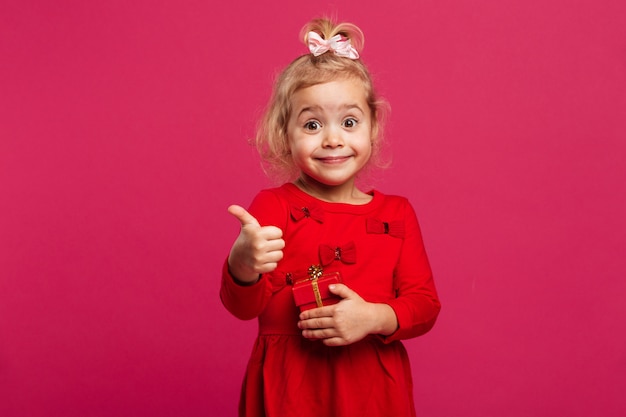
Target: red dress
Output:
[(288, 375)]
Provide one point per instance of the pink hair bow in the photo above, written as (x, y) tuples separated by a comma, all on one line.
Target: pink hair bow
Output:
[(337, 44)]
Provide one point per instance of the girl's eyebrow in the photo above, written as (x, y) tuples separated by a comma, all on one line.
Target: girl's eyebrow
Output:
[(342, 107), (308, 109), (352, 107)]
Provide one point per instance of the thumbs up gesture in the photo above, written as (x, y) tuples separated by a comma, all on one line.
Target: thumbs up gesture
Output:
[(257, 249)]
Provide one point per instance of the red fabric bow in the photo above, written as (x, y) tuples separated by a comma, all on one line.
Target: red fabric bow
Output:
[(314, 212), (345, 253), (394, 228)]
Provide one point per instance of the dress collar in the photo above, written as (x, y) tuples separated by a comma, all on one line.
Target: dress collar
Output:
[(307, 199)]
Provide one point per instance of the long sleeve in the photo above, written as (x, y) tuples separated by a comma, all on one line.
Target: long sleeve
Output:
[(416, 304), (248, 301)]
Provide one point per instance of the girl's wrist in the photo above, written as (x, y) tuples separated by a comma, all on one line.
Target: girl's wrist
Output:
[(246, 283), (243, 279), (385, 317)]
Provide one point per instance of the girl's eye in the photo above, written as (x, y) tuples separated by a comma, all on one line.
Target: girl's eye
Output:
[(350, 122), (312, 125)]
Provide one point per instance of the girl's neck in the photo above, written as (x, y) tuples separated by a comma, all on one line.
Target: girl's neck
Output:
[(346, 193)]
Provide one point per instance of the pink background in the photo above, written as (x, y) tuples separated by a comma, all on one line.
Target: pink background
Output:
[(123, 131)]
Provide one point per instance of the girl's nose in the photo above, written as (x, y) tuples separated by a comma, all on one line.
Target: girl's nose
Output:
[(333, 139)]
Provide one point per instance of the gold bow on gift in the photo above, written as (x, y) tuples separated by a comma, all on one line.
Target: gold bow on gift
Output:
[(315, 271)]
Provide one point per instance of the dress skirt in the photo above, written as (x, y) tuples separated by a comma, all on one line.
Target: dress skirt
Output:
[(289, 375)]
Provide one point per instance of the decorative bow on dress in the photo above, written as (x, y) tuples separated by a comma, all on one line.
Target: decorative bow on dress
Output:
[(314, 212), (345, 253), (394, 228)]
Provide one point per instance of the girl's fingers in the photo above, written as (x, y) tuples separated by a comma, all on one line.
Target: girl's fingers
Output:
[(335, 341), (271, 233), (266, 267), (320, 333), (317, 312), (271, 257), (275, 245), (316, 323)]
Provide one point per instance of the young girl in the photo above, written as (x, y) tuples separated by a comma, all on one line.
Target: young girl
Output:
[(343, 359)]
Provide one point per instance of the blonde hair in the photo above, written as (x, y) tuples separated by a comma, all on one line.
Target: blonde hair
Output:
[(306, 71)]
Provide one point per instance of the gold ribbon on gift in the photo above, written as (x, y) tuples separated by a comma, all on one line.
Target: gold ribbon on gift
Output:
[(316, 291), (316, 271)]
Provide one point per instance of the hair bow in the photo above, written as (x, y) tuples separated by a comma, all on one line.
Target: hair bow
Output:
[(345, 254), (340, 46), (394, 228), (314, 212)]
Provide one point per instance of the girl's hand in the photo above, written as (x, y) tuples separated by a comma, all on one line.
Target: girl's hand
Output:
[(348, 321), (257, 249)]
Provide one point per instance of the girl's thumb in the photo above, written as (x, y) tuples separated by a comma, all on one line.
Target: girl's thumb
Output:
[(243, 216), (341, 290)]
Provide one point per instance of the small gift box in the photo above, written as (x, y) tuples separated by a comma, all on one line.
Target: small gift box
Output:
[(313, 291)]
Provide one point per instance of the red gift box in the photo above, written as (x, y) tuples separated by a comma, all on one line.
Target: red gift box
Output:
[(313, 292)]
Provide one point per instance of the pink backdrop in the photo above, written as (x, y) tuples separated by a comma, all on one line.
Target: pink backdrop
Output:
[(123, 131)]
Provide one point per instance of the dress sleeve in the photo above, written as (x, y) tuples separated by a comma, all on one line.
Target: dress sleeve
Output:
[(248, 301), (416, 304)]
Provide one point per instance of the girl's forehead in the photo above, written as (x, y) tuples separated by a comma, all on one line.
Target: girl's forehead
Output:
[(331, 94)]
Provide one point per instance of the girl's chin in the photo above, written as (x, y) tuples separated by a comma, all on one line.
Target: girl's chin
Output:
[(328, 182)]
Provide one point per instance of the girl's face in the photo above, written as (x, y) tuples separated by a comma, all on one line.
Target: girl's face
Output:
[(330, 132)]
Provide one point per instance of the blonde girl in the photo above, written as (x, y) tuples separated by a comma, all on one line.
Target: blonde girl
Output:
[(356, 257)]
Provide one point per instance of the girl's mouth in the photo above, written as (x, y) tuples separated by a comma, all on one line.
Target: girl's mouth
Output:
[(333, 159)]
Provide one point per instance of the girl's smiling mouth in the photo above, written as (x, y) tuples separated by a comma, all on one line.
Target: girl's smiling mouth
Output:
[(333, 159)]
